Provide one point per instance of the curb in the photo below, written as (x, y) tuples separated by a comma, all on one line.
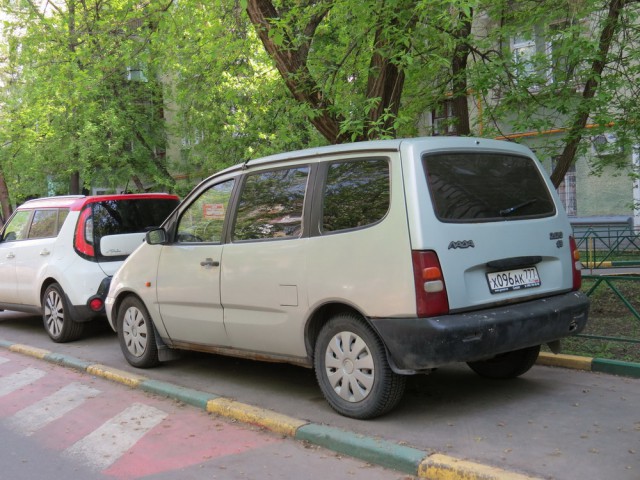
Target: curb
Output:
[(409, 460), (602, 365)]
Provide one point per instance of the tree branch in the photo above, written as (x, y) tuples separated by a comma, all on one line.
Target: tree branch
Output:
[(575, 132)]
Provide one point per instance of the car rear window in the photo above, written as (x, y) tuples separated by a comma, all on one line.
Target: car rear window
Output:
[(114, 217), (472, 187)]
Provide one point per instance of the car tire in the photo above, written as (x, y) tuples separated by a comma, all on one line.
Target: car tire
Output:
[(507, 365), (136, 334), (352, 369), (56, 317)]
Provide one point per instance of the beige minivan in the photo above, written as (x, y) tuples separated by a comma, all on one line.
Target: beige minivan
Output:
[(367, 262)]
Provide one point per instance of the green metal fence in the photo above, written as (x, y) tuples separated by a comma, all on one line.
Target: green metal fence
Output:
[(610, 255)]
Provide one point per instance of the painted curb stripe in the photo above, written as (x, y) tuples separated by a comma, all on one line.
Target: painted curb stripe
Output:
[(565, 361), (68, 361), (444, 467), (268, 419), (187, 395), (376, 451), (615, 367), (31, 351), (116, 375)]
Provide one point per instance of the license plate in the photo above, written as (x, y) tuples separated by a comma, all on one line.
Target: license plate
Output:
[(513, 280)]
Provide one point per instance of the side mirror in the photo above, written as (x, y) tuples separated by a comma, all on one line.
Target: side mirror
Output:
[(157, 236)]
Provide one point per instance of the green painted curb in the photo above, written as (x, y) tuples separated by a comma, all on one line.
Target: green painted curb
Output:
[(616, 367), (376, 451), (187, 395), (68, 361)]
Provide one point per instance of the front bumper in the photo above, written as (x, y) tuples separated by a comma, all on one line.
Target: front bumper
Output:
[(416, 344)]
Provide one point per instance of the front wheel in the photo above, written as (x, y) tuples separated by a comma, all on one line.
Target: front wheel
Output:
[(56, 318), (352, 369), (136, 334), (507, 365)]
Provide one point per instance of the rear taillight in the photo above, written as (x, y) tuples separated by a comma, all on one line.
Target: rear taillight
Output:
[(84, 234), (431, 293), (576, 265)]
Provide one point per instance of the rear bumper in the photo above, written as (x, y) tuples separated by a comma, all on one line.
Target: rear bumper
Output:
[(416, 344)]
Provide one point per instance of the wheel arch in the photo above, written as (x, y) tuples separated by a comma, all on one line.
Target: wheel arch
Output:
[(117, 303), (322, 315), (45, 284)]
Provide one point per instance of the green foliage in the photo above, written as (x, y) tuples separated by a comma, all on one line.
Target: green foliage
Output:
[(125, 93)]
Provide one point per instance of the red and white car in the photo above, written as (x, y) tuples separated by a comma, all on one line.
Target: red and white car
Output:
[(58, 254)]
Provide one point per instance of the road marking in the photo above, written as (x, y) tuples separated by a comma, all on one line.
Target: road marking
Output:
[(36, 416), (115, 437), (16, 381)]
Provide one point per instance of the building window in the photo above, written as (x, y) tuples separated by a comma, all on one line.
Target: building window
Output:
[(443, 120), (539, 56), (567, 192)]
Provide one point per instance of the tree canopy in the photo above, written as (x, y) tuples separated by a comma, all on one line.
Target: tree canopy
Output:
[(124, 94)]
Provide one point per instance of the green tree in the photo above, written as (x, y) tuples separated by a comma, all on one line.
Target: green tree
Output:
[(84, 103), (579, 77)]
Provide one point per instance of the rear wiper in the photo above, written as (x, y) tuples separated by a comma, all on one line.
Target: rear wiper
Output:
[(510, 210)]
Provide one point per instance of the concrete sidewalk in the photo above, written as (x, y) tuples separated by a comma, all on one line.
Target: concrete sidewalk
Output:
[(420, 463)]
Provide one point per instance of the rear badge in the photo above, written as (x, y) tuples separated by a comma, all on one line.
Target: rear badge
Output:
[(462, 244)]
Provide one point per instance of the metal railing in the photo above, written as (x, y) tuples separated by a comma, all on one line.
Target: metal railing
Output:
[(608, 248), (605, 247)]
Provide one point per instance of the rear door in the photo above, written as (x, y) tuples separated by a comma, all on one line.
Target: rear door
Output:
[(500, 235), (123, 216), (264, 268)]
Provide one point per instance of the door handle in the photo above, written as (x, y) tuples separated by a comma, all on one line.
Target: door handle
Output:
[(10, 255), (209, 262), (44, 252)]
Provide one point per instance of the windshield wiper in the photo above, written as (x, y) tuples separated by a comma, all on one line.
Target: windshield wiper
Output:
[(510, 210)]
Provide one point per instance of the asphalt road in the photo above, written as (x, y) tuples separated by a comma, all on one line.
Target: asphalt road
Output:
[(550, 423)]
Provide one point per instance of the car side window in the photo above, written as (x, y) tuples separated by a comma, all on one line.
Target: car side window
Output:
[(43, 224), (356, 194), (271, 205), (17, 227), (203, 220)]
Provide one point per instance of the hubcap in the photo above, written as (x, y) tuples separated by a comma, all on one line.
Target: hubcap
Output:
[(54, 313), (349, 366), (134, 330)]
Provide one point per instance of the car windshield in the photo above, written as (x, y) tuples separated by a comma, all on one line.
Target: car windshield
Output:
[(472, 187)]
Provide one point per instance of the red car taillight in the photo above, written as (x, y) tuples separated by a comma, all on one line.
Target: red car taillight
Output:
[(431, 293), (83, 240), (576, 265)]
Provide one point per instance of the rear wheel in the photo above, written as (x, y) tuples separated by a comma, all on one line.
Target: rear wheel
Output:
[(352, 369), (136, 334), (507, 365), (55, 316)]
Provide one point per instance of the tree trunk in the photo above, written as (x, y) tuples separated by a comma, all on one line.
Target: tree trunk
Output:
[(291, 63), (74, 184), (5, 202), (385, 81), (459, 74), (575, 132)]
